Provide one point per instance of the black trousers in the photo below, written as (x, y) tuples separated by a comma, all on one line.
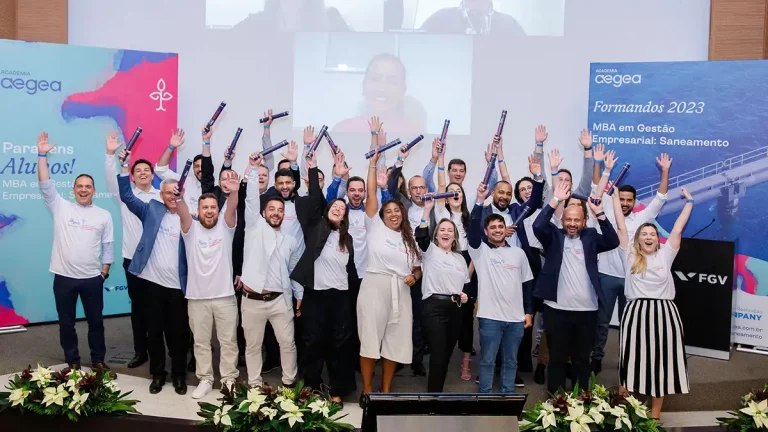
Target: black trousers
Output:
[(354, 350), (167, 323), (442, 323), (570, 334), (417, 332), (66, 290), (467, 331), (138, 310), (327, 339)]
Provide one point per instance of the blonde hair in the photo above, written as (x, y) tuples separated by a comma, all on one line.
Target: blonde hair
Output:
[(455, 243), (641, 263)]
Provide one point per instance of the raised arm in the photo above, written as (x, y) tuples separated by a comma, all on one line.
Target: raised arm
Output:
[(316, 199), (475, 234), (607, 238), (422, 232), (618, 217), (47, 188), (185, 218), (441, 183), (495, 173), (429, 170), (598, 154), (542, 227), (535, 200), (233, 183), (266, 142), (135, 205), (161, 167), (499, 143), (371, 202), (377, 140), (610, 162), (340, 171), (110, 170), (676, 235), (252, 195), (585, 182)]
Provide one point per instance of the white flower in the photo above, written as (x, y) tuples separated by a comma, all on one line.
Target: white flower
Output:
[(638, 406), (253, 401), (221, 416), (112, 386), (594, 412), (41, 375), (602, 405), (621, 417), (269, 412), (288, 406), (320, 406), (547, 415), (292, 412), (759, 412), (78, 399), (280, 399), (579, 421), (18, 396), (54, 395)]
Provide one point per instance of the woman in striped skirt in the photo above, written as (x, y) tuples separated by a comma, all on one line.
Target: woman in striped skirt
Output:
[(651, 355)]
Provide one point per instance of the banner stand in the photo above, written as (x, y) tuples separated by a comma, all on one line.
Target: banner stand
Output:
[(753, 349), (12, 329)]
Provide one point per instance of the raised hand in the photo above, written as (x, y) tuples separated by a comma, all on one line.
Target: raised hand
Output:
[(339, 165), (555, 160), (229, 157), (177, 137), (610, 159), (403, 154), (268, 114), (206, 135), (509, 230), (232, 180), (498, 144), (541, 134), (381, 138), (312, 160), (375, 124), (381, 180), (686, 194), (125, 156), (664, 161), (255, 159), (534, 166), (113, 142), (488, 151), (585, 139), (436, 144), (429, 205), (599, 152), (309, 135), (43, 147), (595, 208), (482, 192), (292, 152), (562, 191)]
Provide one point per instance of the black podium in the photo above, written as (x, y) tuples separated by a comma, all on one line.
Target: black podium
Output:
[(703, 272)]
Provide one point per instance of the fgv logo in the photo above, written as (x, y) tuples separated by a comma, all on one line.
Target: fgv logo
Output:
[(702, 278), (29, 85), (610, 76), (747, 316)]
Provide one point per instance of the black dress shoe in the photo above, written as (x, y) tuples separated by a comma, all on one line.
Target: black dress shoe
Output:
[(74, 366), (539, 376), (137, 361), (596, 366), (180, 384), (102, 367), (156, 385), (191, 365), (418, 369), (362, 401)]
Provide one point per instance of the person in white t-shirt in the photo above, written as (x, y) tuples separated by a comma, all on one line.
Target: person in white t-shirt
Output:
[(659, 369), (445, 274), (385, 317), (82, 254), (210, 294), (193, 186)]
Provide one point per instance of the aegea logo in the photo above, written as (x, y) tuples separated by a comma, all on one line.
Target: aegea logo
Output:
[(618, 80), (31, 86)]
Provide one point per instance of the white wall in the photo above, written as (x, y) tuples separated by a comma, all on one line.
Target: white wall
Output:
[(537, 79)]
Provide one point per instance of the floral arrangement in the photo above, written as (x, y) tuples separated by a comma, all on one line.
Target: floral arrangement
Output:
[(591, 410), (69, 392), (265, 408), (753, 414)]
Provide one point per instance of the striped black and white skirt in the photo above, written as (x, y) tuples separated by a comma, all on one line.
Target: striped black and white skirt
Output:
[(652, 355)]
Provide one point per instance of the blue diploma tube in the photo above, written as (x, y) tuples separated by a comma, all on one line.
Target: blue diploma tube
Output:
[(274, 148), (581, 197), (234, 143), (489, 170), (184, 175), (334, 147), (437, 196), (503, 120), (387, 146), (132, 141), (215, 116), (443, 135), (413, 143), (274, 116), (619, 177), (522, 216), (313, 147)]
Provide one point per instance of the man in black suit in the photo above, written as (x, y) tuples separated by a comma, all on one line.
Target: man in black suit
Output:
[(472, 17)]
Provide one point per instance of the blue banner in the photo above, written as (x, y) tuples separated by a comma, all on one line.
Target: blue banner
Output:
[(711, 118)]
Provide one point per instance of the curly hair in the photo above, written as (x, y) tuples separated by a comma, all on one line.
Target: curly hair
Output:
[(405, 230)]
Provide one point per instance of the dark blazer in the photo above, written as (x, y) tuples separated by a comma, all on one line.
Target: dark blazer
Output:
[(553, 241), (304, 272)]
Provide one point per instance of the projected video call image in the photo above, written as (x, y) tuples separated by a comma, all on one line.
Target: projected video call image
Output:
[(472, 17), (412, 82)]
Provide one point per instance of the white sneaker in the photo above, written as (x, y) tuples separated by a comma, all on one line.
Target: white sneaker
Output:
[(202, 389)]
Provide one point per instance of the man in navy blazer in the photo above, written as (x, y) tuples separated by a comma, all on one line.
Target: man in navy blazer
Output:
[(569, 285), (160, 264)]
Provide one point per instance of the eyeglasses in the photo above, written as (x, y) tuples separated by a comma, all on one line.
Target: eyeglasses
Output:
[(418, 188)]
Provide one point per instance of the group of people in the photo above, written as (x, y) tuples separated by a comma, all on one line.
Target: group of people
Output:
[(374, 269)]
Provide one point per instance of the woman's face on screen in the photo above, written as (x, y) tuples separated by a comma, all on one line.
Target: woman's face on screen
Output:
[(384, 85)]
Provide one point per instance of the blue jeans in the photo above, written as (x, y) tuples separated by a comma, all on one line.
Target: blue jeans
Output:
[(613, 288), (492, 335)]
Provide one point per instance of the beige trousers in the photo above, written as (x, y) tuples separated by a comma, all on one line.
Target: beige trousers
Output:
[(202, 316), (255, 315)]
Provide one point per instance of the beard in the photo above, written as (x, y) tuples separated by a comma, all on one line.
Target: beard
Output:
[(274, 224), (208, 225)]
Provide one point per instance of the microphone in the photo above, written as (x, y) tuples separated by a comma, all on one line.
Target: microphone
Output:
[(215, 116), (274, 117), (708, 225), (133, 140), (234, 143), (314, 145), (443, 135)]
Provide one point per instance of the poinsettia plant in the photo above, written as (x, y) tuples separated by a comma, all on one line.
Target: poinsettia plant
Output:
[(265, 408), (591, 410), (71, 393), (753, 414)]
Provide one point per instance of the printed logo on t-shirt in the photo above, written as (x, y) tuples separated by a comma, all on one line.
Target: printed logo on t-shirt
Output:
[(211, 242), (658, 268), (501, 262), (81, 224), (574, 250), (289, 218), (167, 231), (399, 246)]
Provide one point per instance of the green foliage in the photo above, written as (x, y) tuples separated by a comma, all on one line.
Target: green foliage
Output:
[(752, 414)]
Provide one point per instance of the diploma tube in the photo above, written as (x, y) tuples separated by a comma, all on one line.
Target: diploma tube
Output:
[(274, 117), (232, 146), (522, 216), (585, 199), (489, 170), (385, 147), (318, 138), (184, 175), (619, 177), (443, 135), (503, 120), (441, 195), (413, 143), (132, 141), (334, 147), (215, 116), (274, 148)]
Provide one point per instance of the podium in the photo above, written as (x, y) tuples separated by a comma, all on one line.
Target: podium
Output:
[(703, 273)]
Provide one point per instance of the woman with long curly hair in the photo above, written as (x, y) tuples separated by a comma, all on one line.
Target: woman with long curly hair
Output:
[(384, 312), (325, 271)]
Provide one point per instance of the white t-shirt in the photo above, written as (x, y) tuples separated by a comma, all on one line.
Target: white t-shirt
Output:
[(500, 275), (414, 216), (209, 260), (359, 239), (574, 289), (79, 234), (163, 265), (386, 250), (656, 282), (331, 265), (291, 225), (512, 240), (444, 272), (441, 212), (528, 223)]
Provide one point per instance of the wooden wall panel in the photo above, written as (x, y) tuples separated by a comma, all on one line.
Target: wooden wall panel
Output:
[(34, 20), (7, 19), (737, 29)]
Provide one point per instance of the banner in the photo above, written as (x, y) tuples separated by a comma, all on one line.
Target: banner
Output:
[(710, 117), (76, 94)]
